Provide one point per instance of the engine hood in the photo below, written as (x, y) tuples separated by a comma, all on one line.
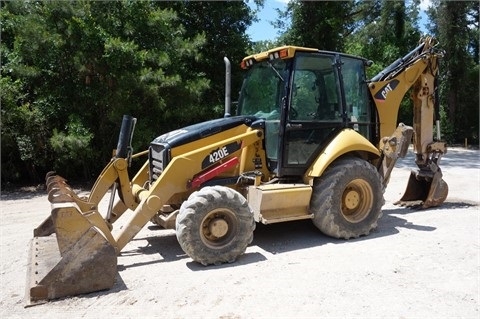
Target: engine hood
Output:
[(201, 130)]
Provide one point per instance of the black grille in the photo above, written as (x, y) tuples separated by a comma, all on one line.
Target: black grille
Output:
[(159, 158)]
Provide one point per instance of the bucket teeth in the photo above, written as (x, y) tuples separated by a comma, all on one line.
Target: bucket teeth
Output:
[(73, 252), (59, 191)]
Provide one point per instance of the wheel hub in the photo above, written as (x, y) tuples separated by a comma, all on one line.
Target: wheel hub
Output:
[(218, 227), (357, 200), (352, 198)]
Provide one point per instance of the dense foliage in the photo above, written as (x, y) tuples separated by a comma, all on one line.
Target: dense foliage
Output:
[(457, 31), (71, 69)]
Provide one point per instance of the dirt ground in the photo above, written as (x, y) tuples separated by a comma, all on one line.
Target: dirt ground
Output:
[(416, 264)]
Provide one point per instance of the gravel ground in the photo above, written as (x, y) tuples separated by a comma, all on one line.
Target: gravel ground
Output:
[(416, 264)]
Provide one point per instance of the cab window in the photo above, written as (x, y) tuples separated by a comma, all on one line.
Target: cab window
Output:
[(356, 95), (314, 90)]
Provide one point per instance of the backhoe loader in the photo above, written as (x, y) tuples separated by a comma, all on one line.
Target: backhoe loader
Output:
[(312, 138)]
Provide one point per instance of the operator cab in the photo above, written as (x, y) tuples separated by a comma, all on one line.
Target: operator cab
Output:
[(303, 98)]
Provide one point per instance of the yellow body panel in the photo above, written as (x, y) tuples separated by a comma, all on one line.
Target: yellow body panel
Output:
[(220, 137), (347, 141), (279, 202)]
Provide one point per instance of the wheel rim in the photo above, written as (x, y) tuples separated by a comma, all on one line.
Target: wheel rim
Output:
[(218, 228), (357, 200)]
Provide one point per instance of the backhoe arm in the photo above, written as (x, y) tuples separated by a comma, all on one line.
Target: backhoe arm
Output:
[(417, 70)]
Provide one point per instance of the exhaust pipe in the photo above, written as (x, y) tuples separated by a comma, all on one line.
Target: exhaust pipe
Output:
[(228, 89)]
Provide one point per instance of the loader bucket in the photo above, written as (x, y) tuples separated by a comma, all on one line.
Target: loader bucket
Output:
[(424, 189), (76, 259)]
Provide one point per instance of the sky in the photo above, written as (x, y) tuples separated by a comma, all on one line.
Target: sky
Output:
[(264, 30)]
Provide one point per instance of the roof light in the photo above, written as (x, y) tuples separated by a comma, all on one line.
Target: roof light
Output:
[(274, 55), (284, 53), (245, 64)]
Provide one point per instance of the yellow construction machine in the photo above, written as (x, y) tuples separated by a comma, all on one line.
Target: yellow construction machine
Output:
[(312, 138)]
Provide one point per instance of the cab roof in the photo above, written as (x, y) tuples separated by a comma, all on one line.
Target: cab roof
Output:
[(284, 52)]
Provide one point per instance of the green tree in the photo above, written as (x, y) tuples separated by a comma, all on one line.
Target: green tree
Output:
[(384, 31), (72, 68), (456, 27), (24, 128), (261, 46), (224, 25), (317, 24)]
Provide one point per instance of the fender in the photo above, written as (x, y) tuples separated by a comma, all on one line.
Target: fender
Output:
[(346, 141)]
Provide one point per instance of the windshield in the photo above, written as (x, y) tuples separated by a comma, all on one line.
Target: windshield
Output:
[(262, 90)]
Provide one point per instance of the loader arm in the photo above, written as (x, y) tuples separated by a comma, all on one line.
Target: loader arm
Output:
[(175, 179), (60, 192), (115, 171), (81, 256), (115, 177)]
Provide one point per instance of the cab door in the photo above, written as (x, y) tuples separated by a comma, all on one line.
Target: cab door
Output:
[(314, 111), (328, 93)]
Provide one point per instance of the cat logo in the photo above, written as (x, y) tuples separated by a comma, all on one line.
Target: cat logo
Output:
[(381, 95)]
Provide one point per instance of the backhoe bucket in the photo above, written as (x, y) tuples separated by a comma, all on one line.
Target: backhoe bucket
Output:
[(76, 259), (425, 189)]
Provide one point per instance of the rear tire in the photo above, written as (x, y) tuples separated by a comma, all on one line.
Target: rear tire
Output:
[(215, 225), (347, 199)]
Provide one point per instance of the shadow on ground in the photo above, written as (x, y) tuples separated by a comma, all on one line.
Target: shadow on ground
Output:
[(283, 237)]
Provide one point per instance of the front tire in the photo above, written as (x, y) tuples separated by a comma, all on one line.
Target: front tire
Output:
[(215, 225), (347, 199)]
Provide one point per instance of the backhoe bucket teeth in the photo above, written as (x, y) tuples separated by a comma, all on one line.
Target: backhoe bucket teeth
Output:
[(69, 255), (425, 189)]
